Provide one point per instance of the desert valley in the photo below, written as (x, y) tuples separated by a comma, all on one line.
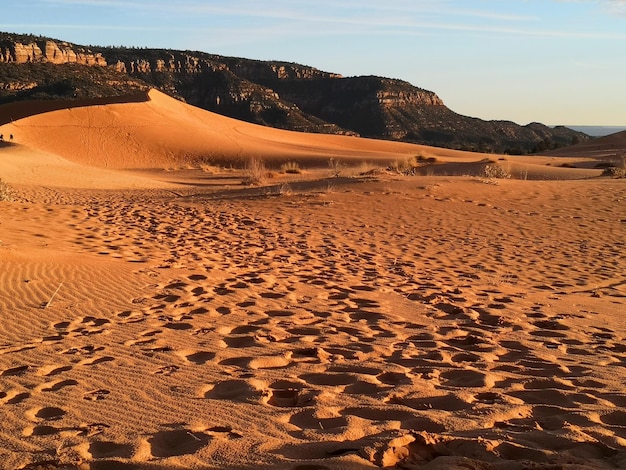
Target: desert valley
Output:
[(184, 290)]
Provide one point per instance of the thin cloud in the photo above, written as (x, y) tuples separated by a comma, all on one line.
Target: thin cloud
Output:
[(612, 6), (299, 9), (308, 18)]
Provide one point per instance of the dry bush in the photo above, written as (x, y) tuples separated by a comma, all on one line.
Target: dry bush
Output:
[(292, 168), (495, 171), (255, 172), (409, 166), (404, 166), (6, 192), (617, 168), (614, 172)]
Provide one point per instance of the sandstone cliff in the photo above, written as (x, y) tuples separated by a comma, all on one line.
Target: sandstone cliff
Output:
[(27, 49)]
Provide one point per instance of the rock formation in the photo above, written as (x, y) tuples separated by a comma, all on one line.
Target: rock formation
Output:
[(18, 51)]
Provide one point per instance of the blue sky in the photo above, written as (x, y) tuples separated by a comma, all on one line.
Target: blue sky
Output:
[(551, 61)]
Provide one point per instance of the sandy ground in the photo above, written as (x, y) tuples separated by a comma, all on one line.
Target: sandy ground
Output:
[(170, 317)]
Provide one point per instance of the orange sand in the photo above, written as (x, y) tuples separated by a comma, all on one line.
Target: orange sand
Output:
[(158, 316)]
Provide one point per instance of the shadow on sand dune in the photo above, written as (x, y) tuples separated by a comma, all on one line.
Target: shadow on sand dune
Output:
[(21, 109)]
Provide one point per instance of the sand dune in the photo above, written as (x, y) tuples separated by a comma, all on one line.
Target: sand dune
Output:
[(157, 132), (177, 319), (166, 132)]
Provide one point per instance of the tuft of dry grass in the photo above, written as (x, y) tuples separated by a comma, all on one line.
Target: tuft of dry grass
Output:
[(410, 165), (336, 167), (292, 168), (255, 172), (406, 166), (285, 190)]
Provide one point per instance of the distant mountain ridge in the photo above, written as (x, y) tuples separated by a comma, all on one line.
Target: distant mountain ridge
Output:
[(278, 94), (598, 131)]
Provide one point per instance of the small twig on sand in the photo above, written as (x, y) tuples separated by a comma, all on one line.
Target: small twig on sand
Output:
[(47, 304), (195, 437)]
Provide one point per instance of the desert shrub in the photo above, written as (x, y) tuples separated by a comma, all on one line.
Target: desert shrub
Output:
[(616, 168), (292, 168), (255, 171), (6, 192), (614, 172), (406, 166), (494, 171)]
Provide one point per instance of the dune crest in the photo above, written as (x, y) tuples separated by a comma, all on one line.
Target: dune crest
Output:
[(165, 132)]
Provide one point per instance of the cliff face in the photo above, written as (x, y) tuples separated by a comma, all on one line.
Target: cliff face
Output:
[(45, 50), (278, 94), (224, 85)]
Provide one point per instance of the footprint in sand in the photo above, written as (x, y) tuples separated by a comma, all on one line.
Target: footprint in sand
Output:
[(288, 393), (96, 361), (308, 419), (198, 357), (13, 397), (109, 449), (236, 390), (56, 385), (16, 349), (49, 413), (468, 378), (96, 395), (179, 326), (394, 378), (284, 398), (240, 341), (615, 418), (52, 370), (177, 443), (18, 370), (42, 430)]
